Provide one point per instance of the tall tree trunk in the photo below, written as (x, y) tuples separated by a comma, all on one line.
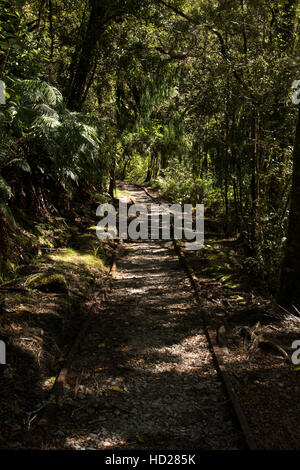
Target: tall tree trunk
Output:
[(102, 14), (85, 64), (289, 291), (112, 179), (51, 29), (254, 179), (226, 157), (150, 167)]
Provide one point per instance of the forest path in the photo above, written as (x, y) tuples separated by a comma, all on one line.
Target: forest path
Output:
[(145, 377)]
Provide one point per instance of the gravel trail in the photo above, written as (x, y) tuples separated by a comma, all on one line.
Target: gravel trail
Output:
[(145, 377)]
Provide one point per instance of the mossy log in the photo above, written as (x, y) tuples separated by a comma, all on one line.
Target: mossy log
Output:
[(46, 282)]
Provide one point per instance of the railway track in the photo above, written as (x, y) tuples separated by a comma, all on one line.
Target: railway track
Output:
[(216, 350), (150, 366)]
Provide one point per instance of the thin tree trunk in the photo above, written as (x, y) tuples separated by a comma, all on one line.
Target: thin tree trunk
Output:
[(51, 29), (254, 179)]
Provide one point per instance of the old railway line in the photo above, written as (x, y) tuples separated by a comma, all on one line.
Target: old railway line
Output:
[(215, 348), (149, 370)]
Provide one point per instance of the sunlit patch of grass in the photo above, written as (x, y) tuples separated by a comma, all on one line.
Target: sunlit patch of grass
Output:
[(69, 256), (120, 193)]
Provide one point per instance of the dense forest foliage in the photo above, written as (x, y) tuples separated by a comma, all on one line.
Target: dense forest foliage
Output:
[(196, 97)]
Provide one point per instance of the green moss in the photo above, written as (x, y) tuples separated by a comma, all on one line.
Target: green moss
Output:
[(43, 241), (221, 263), (231, 285), (122, 193), (228, 281), (48, 282), (73, 257)]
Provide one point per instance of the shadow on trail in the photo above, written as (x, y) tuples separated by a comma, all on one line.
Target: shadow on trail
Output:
[(147, 378)]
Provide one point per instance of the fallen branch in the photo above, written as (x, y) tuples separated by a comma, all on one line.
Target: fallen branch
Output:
[(259, 340)]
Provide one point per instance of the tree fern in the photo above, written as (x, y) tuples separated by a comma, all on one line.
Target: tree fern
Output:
[(35, 118)]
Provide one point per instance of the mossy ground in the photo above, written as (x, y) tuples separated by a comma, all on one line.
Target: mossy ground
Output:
[(223, 260), (43, 305)]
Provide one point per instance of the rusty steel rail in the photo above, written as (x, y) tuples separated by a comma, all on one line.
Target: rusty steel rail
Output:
[(55, 397), (240, 416)]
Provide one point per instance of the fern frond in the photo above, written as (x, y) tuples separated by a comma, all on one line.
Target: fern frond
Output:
[(43, 122), (37, 91), (5, 191), (20, 163), (8, 215)]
